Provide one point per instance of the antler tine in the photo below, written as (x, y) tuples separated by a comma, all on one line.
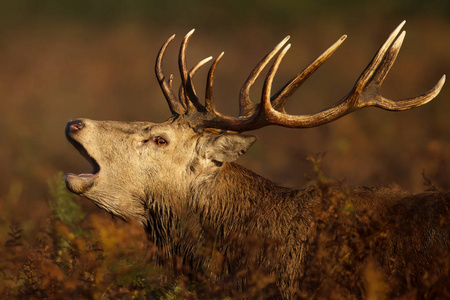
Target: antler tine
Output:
[(280, 98), (175, 106), (182, 96), (171, 81), (187, 90), (190, 90), (199, 65), (378, 59), (266, 105), (209, 95), (405, 104), (183, 69), (388, 61), (246, 106)]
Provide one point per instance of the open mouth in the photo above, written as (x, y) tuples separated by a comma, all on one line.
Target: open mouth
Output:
[(94, 165), (80, 183)]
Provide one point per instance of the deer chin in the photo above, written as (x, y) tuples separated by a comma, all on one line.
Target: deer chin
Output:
[(80, 183)]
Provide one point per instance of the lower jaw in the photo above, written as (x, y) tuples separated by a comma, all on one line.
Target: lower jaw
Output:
[(79, 184)]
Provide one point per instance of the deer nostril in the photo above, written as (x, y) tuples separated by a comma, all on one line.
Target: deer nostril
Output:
[(75, 125)]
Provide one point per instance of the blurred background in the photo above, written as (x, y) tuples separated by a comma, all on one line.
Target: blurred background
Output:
[(63, 59)]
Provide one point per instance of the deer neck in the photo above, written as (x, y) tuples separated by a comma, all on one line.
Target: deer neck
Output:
[(235, 195), (231, 201)]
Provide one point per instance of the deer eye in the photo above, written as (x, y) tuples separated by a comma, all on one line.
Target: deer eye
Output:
[(159, 141)]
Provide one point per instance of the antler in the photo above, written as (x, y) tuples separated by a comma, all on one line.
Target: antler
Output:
[(270, 111), (188, 100)]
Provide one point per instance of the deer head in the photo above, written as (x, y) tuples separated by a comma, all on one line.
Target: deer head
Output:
[(139, 164)]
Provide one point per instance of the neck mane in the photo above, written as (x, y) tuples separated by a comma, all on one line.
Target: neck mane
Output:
[(236, 194)]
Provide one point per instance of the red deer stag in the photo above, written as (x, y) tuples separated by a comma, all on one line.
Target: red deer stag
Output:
[(179, 181)]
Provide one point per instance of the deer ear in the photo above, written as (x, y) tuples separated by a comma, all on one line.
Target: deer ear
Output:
[(226, 147)]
